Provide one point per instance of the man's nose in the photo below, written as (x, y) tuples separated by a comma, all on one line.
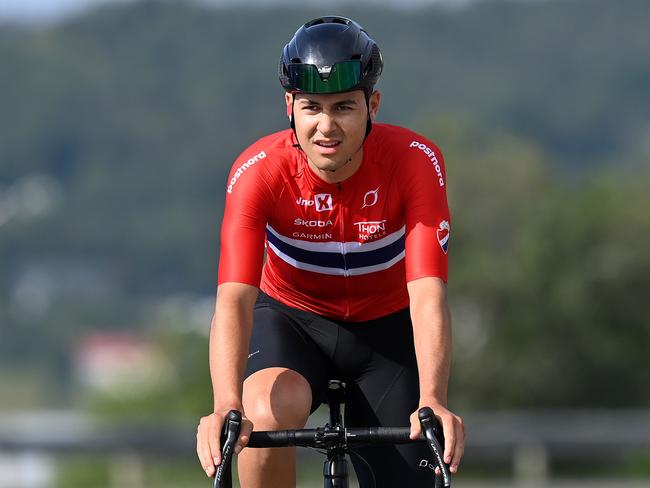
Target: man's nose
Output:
[(326, 123)]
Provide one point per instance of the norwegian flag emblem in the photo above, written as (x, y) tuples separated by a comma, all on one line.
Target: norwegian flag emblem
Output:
[(443, 235)]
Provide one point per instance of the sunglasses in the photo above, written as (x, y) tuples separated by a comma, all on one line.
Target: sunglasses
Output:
[(342, 77)]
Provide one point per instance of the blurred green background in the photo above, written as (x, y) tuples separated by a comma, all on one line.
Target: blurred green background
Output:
[(118, 126)]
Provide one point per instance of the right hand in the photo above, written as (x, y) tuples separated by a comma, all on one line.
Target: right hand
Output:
[(208, 438)]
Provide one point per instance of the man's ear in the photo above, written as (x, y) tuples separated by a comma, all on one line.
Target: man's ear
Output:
[(288, 98), (374, 103)]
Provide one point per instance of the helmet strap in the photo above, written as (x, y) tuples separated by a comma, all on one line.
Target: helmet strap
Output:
[(292, 121), (368, 93)]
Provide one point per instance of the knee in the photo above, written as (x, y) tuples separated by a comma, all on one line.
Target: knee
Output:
[(277, 398)]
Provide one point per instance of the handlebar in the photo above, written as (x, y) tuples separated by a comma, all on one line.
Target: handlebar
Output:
[(328, 437)]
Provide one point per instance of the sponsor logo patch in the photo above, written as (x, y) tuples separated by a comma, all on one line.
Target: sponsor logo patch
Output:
[(244, 167), (312, 223), (430, 153), (322, 202), (369, 231), (443, 235), (312, 237), (370, 198)]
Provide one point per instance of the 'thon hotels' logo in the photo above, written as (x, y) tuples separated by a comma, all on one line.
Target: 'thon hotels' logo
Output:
[(370, 231)]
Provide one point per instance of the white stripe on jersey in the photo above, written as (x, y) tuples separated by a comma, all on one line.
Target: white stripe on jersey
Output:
[(340, 247), (336, 271)]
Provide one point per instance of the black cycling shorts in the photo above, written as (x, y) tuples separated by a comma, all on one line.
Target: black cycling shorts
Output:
[(377, 361)]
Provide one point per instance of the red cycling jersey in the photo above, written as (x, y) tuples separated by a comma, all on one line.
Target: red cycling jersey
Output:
[(342, 250)]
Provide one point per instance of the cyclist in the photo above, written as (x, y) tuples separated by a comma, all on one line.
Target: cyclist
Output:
[(354, 220)]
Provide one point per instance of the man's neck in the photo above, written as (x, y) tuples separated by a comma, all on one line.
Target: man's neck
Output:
[(342, 173)]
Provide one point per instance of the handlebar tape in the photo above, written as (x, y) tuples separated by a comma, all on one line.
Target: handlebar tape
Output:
[(312, 437)]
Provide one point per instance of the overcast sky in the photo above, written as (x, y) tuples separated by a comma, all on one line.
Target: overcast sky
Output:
[(39, 10)]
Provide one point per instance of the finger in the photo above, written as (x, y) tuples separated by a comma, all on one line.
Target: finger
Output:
[(214, 441), (203, 450), (450, 437), (460, 445), (244, 437)]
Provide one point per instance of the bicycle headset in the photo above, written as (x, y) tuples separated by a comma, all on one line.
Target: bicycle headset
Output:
[(330, 55)]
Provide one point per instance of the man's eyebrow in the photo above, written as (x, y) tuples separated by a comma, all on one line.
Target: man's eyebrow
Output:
[(346, 102), (309, 101)]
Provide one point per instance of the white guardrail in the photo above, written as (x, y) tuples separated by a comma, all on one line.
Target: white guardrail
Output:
[(30, 443)]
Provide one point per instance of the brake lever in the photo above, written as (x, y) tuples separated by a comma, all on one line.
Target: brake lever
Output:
[(432, 432), (231, 428)]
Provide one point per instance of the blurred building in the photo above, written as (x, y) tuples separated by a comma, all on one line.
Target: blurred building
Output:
[(120, 364)]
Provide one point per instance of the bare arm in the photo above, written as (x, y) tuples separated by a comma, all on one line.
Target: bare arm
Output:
[(432, 336), (229, 338)]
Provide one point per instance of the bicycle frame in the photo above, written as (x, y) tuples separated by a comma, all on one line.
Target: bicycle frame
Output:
[(335, 439)]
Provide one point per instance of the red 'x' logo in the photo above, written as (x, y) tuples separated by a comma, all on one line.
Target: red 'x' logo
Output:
[(323, 202)]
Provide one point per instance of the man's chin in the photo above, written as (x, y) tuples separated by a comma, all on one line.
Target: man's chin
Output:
[(326, 164)]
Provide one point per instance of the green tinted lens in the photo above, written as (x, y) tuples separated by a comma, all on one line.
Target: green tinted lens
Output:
[(343, 76)]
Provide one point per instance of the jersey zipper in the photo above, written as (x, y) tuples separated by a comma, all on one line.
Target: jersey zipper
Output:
[(343, 253)]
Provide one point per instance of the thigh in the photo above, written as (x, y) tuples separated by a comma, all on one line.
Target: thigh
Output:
[(389, 405), (278, 341), (386, 394)]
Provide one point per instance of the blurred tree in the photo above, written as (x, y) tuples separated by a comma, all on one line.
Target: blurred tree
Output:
[(549, 277), (129, 117)]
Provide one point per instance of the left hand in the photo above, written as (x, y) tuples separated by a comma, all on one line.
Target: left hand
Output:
[(452, 428)]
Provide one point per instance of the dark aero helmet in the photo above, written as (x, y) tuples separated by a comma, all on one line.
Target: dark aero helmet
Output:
[(330, 55)]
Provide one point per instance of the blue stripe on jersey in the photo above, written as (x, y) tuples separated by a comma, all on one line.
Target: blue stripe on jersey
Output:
[(326, 259), (337, 261), (378, 256)]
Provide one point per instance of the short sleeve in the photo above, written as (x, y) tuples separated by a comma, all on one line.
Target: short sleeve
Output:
[(249, 199), (424, 194)]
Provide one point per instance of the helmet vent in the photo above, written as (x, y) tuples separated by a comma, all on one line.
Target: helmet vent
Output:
[(327, 20)]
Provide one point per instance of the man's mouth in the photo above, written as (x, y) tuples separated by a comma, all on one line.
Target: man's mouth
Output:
[(327, 144)]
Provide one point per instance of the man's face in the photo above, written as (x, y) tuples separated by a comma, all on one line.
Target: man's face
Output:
[(331, 128)]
